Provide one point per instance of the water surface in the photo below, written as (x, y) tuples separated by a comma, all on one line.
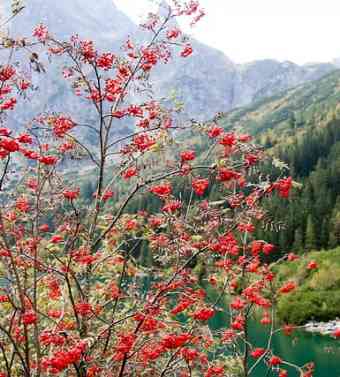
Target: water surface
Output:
[(299, 348)]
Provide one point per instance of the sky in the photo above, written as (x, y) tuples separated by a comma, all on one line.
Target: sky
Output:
[(301, 31)]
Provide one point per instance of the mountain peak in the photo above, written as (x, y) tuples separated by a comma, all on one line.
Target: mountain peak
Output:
[(208, 82), (67, 17)]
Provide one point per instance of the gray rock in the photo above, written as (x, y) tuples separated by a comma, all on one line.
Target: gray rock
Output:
[(208, 82)]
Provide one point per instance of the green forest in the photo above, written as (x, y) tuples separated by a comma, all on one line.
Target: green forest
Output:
[(302, 128)]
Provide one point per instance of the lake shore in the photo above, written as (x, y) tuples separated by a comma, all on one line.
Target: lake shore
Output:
[(323, 328)]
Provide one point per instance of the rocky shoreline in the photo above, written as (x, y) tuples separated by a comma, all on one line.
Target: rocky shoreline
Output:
[(323, 328)]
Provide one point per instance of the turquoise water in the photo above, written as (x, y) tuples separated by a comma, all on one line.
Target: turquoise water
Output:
[(299, 348), (302, 347)]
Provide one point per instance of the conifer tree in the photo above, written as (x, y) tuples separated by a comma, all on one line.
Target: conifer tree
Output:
[(310, 239)]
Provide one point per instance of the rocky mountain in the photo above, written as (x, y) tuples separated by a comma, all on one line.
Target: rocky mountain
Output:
[(100, 20), (207, 82), (289, 114), (265, 78)]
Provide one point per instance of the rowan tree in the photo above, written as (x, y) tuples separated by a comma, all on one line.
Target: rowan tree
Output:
[(78, 298)]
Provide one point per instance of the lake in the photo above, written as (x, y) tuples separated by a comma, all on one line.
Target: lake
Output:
[(299, 348)]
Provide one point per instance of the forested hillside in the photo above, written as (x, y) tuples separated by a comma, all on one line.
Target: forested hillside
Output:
[(302, 128)]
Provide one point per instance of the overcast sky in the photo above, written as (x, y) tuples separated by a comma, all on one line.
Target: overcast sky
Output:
[(297, 30)]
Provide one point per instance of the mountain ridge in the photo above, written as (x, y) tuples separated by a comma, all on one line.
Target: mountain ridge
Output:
[(208, 82)]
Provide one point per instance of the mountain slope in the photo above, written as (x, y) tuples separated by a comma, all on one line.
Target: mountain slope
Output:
[(65, 18), (289, 111), (302, 127), (208, 82), (100, 20), (265, 78)]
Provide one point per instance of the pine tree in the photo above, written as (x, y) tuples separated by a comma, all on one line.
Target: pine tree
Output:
[(324, 236), (298, 240), (310, 238), (334, 235)]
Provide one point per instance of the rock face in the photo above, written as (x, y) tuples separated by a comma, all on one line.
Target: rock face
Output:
[(99, 20), (207, 82), (265, 78), (204, 82)]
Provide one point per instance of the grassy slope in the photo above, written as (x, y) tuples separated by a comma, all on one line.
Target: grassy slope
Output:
[(318, 293)]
